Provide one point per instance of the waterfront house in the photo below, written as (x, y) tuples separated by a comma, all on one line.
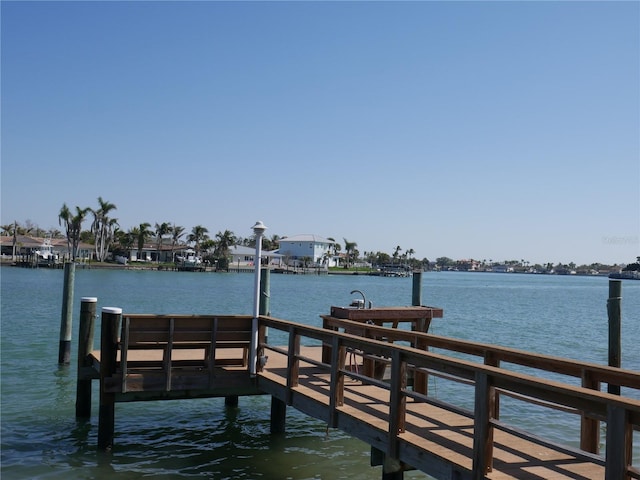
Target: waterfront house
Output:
[(501, 268), (314, 249), (27, 245), (242, 256)]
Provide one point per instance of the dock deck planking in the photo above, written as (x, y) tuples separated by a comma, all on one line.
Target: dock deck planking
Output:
[(431, 432), (430, 428)]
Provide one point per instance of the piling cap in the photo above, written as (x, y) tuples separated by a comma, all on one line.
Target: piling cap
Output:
[(89, 299), (115, 310)]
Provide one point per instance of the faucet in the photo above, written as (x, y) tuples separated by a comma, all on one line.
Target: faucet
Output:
[(364, 298)]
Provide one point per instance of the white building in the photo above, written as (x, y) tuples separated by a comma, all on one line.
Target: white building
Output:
[(314, 249), (242, 256)]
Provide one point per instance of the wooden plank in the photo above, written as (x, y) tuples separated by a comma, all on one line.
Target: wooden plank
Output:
[(386, 313)]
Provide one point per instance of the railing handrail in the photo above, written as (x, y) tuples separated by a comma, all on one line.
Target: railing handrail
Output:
[(182, 315), (621, 413), (460, 367), (549, 363)]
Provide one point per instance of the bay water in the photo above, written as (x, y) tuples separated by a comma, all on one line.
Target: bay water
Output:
[(555, 315)]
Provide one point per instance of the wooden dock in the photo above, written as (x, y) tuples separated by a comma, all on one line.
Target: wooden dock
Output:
[(333, 374)]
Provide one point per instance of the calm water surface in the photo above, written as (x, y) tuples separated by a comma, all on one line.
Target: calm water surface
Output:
[(564, 316)]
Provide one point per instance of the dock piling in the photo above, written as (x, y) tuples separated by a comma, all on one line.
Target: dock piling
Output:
[(66, 318), (420, 379), (109, 329), (615, 320), (416, 292), (85, 346)]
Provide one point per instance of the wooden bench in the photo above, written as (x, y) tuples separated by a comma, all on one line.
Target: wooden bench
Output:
[(178, 352)]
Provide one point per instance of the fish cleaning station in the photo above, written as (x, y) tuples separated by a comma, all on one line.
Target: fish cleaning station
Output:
[(365, 371)]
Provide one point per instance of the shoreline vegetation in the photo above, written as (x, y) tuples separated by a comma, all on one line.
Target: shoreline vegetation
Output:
[(106, 245), (394, 271)]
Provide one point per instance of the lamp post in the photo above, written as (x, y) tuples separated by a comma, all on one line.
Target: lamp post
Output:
[(258, 230)]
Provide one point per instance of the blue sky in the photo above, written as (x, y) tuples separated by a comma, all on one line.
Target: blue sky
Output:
[(486, 130)]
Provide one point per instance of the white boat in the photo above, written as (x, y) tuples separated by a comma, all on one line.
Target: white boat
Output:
[(45, 253), (188, 260)]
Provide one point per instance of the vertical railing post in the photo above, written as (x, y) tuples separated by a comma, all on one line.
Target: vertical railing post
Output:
[(397, 401), (589, 426), (109, 330), (619, 443), (85, 346), (491, 359), (293, 363), (336, 399), (482, 429), (614, 314)]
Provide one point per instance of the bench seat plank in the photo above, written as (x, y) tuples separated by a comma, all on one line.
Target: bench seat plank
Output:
[(179, 345)]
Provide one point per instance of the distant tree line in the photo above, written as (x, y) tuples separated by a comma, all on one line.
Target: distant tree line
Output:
[(106, 236)]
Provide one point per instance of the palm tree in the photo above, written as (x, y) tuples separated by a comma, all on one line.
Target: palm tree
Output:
[(224, 241), (162, 229), (410, 253), (207, 245), (176, 233), (102, 228), (73, 226), (123, 241), (198, 234), (142, 233), (396, 253), (7, 230), (270, 243), (350, 249)]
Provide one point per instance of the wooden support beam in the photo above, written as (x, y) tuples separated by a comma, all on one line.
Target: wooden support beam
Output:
[(231, 401), (278, 416)]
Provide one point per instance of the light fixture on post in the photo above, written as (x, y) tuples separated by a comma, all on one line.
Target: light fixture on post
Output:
[(258, 230)]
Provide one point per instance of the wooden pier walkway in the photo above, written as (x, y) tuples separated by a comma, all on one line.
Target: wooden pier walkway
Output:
[(371, 382)]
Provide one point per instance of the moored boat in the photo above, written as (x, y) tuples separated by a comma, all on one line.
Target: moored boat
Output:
[(45, 255), (188, 260)]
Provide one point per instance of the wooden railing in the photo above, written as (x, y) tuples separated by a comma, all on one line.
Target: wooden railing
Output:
[(621, 414), (591, 375)]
